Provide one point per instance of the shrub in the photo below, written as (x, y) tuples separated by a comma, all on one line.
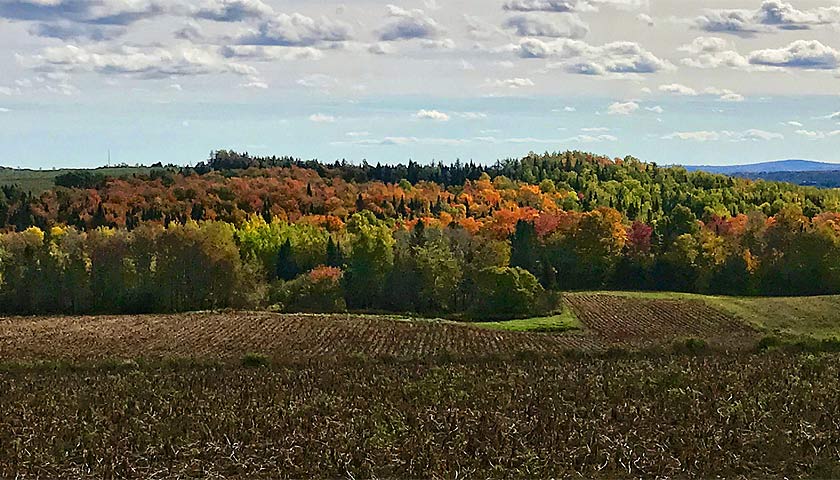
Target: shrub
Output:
[(319, 291), (768, 343), (508, 291)]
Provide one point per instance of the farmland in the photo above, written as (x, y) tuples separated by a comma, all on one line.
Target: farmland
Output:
[(599, 390), (591, 322), (38, 181)]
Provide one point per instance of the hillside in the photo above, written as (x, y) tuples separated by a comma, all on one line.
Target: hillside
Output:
[(768, 167)]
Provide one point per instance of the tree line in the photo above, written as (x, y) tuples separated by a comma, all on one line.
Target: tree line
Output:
[(297, 237)]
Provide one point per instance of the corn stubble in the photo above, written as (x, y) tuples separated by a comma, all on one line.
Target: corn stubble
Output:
[(674, 416)]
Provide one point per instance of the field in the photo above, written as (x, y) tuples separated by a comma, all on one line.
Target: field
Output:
[(809, 317), (37, 181), (597, 391), (591, 323)]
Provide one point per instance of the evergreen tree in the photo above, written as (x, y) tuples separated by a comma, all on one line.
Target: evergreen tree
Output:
[(287, 268)]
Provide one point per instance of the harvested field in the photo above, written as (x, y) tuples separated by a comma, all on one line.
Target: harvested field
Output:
[(716, 416), (608, 320), (635, 321), (282, 337)]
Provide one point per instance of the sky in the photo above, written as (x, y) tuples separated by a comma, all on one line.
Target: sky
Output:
[(669, 81)]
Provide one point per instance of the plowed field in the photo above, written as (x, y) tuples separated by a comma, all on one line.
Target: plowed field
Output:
[(230, 335), (609, 320), (632, 321)]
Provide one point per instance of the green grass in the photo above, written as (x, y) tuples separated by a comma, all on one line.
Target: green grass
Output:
[(37, 181), (811, 317), (562, 322)]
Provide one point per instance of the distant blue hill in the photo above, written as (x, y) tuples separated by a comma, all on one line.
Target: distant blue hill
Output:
[(768, 167)]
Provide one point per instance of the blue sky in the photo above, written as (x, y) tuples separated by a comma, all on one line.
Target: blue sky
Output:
[(713, 82)]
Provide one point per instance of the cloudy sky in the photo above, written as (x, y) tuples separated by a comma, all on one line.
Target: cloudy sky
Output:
[(671, 81)]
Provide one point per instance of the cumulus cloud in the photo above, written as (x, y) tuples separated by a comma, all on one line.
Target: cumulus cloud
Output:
[(646, 19), (656, 109), (723, 94), (710, 136), (622, 108), (678, 89), (297, 30), (570, 5), (804, 54), (771, 15), (432, 115), (321, 118), (576, 56), (233, 10), (100, 12), (144, 62), (409, 25), (269, 53), (565, 26), (713, 52)]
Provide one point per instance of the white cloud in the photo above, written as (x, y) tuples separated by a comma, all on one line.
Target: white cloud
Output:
[(571, 5), (254, 83), (432, 115), (695, 136), (818, 134), (751, 134), (233, 10), (713, 52), (771, 15), (145, 62), (563, 26), (4, 110), (646, 19), (409, 25), (576, 56), (357, 134), (622, 108), (321, 118), (793, 123), (594, 129), (678, 89), (592, 138), (569, 109), (297, 30), (269, 53), (381, 48), (318, 81), (512, 82), (472, 115), (655, 109), (804, 54)]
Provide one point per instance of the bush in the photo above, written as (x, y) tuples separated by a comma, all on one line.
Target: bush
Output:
[(508, 291), (768, 343), (254, 360), (317, 291)]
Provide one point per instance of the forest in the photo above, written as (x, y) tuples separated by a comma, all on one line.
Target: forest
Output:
[(238, 231)]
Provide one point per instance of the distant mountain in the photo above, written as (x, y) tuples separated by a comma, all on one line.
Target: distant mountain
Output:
[(768, 167)]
